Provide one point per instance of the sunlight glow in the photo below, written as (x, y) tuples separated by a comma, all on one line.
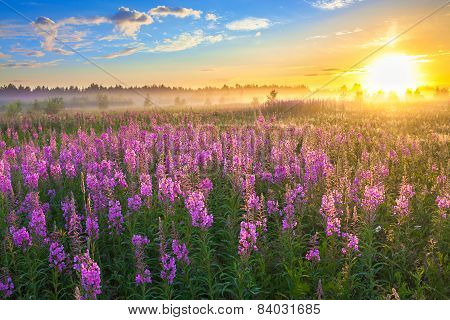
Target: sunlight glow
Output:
[(392, 73)]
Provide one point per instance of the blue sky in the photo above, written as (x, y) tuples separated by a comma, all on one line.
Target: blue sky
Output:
[(193, 42)]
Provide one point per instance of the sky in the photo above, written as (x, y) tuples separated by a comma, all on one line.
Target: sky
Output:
[(200, 43)]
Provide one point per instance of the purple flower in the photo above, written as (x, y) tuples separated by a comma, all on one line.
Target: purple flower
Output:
[(313, 255), (57, 256), (195, 203), (289, 221), (92, 225), (272, 206), (352, 243), (443, 203), (5, 177), (38, 223), (168, 189), (90, 275), (146, 185), (205, 186), (247, 238), (21, 237), (144, 277), (169, 268), (134, 203), (401, 207), (373, 197), (143, 274), (139, 241), (6, 286), (115, 217), (130, 159), (180, 251), (51, 193)]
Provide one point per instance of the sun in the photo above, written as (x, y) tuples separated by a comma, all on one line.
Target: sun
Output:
[(392, 73)]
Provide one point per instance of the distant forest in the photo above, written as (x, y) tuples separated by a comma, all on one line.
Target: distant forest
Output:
[(15, 98)]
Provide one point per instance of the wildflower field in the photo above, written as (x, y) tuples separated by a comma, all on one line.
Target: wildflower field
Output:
[(329, 202)]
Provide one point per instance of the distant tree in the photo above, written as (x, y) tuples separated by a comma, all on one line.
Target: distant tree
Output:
[(356, 87), (54, 105), (255, 102), (179, 102), (418, 94), (359, 96), (36, 106), (272, 97), (102, 101), (343, 91), (147, 102), (441, 92), (13, 108)]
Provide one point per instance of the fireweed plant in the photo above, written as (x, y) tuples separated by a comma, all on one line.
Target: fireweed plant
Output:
[(327, 203)]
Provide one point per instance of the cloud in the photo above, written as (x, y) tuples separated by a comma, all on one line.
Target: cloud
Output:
[(4, 55), (186, 41), (48, 29), (343, 33), (63, 51), (248, 24), (12, 31), (123, 53), (333, 4), (163, 11), (331, 69), (211, 17), (29, 64), (258, 34), (111, 37), (83, 21), (52, 31), (129, 22), (27, 52), (322, 36), (337, 33)]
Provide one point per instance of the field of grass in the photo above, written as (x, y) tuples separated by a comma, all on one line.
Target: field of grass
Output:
[(327, 201)]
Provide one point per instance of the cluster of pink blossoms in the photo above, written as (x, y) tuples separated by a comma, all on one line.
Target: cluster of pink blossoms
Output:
[(373, 197), (143, 274), (195, 203), (247, 238), (401, 207), (90, 275)]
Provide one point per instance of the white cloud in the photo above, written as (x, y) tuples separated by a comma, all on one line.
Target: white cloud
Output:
[(321, 36), (27, 52), (211, 17), (163, 11), (112, 37), (29, 64), (333, 4), (123, 53), (50, 31), (83, 21), (343, 33), (258, 34), (12, 31), (186, 41), (249, 24), (129, 22), (214, 39)]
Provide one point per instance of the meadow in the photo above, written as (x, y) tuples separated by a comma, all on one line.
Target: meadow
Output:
[(326, 201)]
